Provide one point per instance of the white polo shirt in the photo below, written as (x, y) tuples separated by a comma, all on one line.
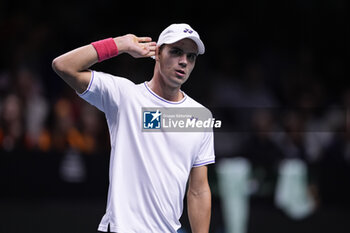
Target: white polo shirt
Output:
[(148, 170)]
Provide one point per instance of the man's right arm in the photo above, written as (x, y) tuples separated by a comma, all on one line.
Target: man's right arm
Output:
[(73, 66)]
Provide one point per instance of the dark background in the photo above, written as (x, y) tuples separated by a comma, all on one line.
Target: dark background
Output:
[(259, 54)]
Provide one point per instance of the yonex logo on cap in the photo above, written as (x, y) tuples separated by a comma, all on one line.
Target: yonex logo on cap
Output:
[(188, 30)]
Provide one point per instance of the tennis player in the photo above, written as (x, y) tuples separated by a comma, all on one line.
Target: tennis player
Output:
[(149, 171)]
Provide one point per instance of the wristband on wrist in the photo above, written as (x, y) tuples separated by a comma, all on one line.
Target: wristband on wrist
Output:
[(105, 49)]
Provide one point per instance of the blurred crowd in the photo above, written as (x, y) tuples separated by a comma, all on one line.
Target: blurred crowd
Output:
[(29, 121), (299, 121)]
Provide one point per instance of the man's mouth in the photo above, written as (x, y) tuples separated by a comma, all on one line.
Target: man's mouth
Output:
[(180, 73)]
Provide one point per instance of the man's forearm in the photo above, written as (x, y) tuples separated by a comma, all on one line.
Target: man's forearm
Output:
[(73, 66), (199, 210)]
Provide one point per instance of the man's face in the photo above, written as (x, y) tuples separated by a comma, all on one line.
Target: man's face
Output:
[(176, 61)]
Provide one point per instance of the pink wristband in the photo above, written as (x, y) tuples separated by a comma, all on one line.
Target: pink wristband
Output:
[(105, 49)]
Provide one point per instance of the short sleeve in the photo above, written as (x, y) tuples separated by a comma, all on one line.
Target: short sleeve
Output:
[(105, 91), (206, 152)]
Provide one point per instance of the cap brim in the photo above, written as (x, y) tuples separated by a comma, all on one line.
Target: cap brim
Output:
[(200, 45)]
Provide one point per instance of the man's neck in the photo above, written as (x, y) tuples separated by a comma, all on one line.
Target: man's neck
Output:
[(165, 91)]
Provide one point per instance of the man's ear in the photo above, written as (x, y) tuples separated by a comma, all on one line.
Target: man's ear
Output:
[(157, 54)]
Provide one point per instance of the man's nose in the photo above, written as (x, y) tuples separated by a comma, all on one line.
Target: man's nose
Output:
[(183, 60)]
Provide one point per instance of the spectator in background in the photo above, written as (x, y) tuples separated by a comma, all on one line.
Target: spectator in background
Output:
[(246, 92), (86, 136), (238, 98), (262, 152), (12, 132), (334, 170), (35, 106), (291, 141), (63, 124), (93, 130)]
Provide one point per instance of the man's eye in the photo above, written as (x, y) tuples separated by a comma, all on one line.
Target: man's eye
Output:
[(176, 51), (192, 56)]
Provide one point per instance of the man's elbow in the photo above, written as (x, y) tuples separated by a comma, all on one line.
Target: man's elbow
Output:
[(60, 67), (57, 65), (205, 191)]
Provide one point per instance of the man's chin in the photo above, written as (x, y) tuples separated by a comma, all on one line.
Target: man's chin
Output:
[(179, 80)]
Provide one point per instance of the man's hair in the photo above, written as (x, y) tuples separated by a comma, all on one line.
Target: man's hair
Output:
[(161, 47)]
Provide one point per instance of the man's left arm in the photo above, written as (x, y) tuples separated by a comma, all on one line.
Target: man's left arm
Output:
[(199, 200)]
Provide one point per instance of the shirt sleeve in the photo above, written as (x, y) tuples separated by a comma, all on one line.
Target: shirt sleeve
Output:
[(206, 152), (105, 91)]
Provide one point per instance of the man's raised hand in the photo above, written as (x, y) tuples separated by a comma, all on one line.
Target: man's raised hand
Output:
[(136, 46)]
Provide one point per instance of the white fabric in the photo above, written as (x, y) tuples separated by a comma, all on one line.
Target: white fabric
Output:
[(292, 194), (148, 170), (233, 177)]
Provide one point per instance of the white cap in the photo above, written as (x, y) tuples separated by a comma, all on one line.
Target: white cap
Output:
[(176, 32)]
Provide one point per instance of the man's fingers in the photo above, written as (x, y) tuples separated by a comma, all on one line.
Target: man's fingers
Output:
[(152, 48), (144, 39), (148, 46), (151, 53), (145, 47)]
